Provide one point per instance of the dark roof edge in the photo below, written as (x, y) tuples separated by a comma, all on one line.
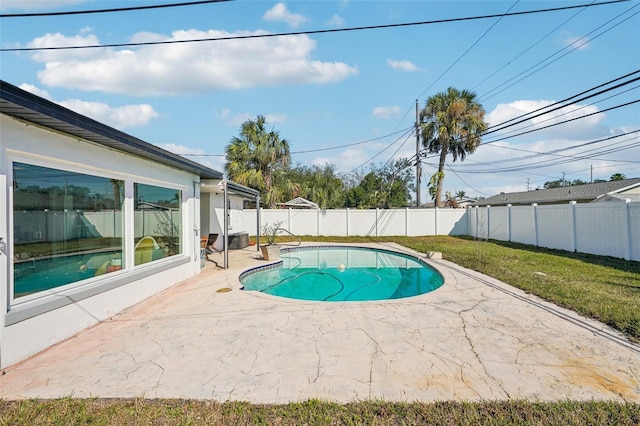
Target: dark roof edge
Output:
[(126, 142), (242, 190)]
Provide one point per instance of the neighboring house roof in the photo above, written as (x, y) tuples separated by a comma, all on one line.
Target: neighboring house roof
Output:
[(300, 202), (26, 106), (580, 193), (620, 197)]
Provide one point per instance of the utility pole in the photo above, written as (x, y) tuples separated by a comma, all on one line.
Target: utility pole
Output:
[(592, 173), (563, 181), (527, 184), (418, 169)]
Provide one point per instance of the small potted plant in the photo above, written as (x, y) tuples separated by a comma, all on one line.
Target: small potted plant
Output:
[(271, 250)]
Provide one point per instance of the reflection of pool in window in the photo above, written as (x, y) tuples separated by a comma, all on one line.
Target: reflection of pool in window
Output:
[(34, 275), (157, 220), (67, 225)]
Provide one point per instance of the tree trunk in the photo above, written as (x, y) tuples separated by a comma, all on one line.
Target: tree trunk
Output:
[(443, 156)]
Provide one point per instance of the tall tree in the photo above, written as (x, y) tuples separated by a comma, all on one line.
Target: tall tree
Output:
[(259, 158), (384, 186), (452, 122), (319, 184)]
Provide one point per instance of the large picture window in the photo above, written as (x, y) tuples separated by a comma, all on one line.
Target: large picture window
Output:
[(157, 223), (67, 227)]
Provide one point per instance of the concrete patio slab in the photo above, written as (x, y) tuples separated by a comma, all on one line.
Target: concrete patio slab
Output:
[(475, 338)]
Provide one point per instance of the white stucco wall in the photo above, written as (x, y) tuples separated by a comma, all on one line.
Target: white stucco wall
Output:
[(104, 296)]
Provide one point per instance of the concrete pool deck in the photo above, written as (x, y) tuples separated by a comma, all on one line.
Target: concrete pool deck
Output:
[(475, 338)]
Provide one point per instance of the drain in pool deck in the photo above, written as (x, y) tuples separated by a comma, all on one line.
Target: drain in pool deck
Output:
[(223, 290)]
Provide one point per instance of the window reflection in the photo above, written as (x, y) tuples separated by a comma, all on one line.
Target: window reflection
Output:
[(157, 223), (67, 227)]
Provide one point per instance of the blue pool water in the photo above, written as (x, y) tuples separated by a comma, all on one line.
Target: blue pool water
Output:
[(343, 274)]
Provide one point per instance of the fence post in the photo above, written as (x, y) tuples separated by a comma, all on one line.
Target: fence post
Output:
[(627, 211), (477, 220), (317, 222), (406, 221), (376, 221), (534, 206), (574, 229), (509, 222), (435, 220), (488, 221), (347, 216)]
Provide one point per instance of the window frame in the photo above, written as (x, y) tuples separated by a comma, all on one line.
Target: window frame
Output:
[(44, 301)]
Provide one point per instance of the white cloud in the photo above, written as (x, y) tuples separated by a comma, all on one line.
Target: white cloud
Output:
[(216, 163), (575, 42), (279, 12), (336, 21), (386, 112), (402, 65), (275, 118), (59, 40), (577, 129), (179, 149), (36, 4), (186, 67), (35, 90), (237, 119), (118, 117)]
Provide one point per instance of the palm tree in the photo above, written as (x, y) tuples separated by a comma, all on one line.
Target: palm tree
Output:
[(257, 159), (452, 122), (618, 176)]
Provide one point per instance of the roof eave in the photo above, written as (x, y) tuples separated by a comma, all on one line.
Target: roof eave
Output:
[(28, 107)]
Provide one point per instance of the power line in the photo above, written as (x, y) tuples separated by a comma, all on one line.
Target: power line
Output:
[(466, 51), (575, 47), (326, 31), (563, 160), (565, 121), (119, 9), (559, 104), (552, 152), (316, 149), (406, 134), (509, 62)]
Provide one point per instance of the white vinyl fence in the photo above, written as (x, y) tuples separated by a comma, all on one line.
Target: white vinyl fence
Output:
[(348, 222), (609, 229)]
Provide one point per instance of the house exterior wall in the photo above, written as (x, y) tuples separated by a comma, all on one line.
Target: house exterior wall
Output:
[(32, 323), (212, 214)]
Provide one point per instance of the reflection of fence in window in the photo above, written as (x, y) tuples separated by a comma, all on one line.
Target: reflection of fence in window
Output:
[(56, 225)]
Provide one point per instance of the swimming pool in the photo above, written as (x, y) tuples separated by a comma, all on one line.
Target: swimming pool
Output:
[(340, 273)]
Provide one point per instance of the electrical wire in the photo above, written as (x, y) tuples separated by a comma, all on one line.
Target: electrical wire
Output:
[(486, 96), (379, 153), (325, 31), (466, 51), (509, 62), (552, 152), (562, 103), (558, 115), (119, 9), (564, 122), (562, 161)]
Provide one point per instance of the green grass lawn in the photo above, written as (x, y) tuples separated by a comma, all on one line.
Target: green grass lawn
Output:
[(604, 288)]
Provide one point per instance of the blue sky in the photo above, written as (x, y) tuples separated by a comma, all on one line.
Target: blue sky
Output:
[(336, 89)]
